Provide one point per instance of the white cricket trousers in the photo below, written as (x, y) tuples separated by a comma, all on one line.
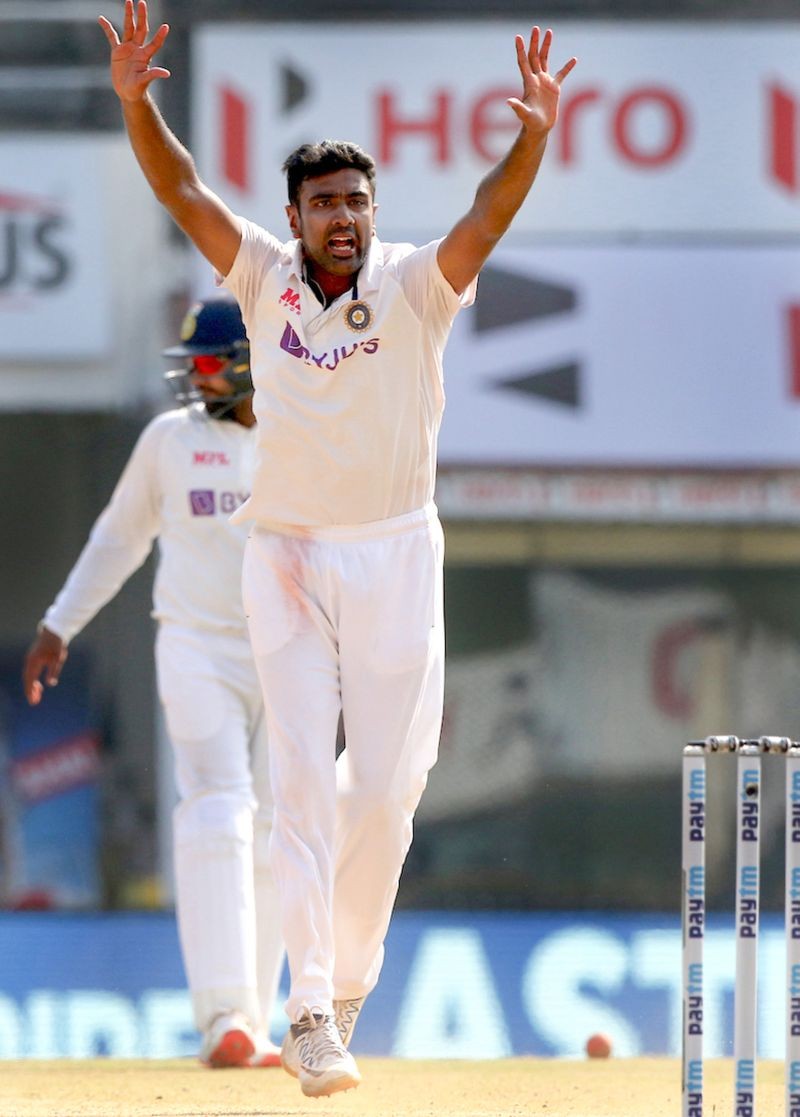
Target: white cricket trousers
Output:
[(351, 619), (226, 897)]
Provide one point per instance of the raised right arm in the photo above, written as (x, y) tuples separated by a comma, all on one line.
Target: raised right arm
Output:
[(167, 165)]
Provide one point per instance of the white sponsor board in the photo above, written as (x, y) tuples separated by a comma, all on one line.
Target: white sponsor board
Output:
[(662, 127), (655, 357), (619, 496), (86, 265), (54, 291)]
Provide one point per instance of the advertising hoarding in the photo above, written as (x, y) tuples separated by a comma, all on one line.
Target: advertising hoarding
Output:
[(661, 127)]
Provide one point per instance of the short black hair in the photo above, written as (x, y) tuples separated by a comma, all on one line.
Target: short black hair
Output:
[(314, 160)]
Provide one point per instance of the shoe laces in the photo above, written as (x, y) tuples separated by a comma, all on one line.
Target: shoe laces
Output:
[(317, 1037)]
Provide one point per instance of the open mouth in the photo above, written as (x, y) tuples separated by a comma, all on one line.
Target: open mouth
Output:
[(342, 247)]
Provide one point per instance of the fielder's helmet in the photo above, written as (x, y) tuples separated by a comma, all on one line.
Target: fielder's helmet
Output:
[(212, 328)]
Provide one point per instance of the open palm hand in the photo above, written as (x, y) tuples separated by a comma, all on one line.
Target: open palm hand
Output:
[(131, 72), (537, 109)]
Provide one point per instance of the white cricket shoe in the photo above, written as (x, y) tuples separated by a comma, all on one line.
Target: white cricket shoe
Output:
[(325, 1065), (228, 1041), (266, 1054), (345, 1013)]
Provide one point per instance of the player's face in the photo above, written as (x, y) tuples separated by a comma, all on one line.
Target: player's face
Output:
[(207, 375), (335, 219)]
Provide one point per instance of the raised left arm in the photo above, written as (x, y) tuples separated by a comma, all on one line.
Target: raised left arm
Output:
[(465, 248)]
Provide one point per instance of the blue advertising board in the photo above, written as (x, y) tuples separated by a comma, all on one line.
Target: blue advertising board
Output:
[(453, 985), (50, 770)]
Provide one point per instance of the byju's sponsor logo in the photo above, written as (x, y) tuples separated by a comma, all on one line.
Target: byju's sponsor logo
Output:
[(203, 502), (329, 360)]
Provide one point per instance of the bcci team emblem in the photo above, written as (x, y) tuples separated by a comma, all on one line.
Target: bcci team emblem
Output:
[(189, 323), (358, 316)]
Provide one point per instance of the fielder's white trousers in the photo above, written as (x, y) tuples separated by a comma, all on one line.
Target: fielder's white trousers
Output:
[(346, 618), (226, 897)]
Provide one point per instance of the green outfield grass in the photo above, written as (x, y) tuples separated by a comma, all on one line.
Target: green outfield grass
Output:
[(391, 1088)]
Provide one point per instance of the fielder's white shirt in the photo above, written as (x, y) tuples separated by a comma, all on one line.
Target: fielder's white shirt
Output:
[(348, 418), (185, 477)]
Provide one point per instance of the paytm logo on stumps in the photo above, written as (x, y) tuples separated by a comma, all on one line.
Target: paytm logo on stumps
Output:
[(794, 902), (794, 1000), (694, 1088), (749, 795), (748, 902), (694, 999), (745, 1088), (695, 902), (794, 796), (697, 804), (793, 1088)]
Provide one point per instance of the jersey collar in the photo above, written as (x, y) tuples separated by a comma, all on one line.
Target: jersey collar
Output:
[(368, 277)]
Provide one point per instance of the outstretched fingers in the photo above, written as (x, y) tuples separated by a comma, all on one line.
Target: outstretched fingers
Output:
[(522, 57), (109, 31), (544, 49), (127, 22), (131, 53), (534, 58), (156, 43), (141, 28), (153, 73), (566, 69), (533, 52)]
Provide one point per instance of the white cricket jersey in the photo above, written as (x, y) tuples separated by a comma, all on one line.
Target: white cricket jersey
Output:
[(185, 477), (348, 399)]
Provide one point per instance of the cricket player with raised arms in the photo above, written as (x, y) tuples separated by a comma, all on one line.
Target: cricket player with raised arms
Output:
[(342, 576), (189, 469)]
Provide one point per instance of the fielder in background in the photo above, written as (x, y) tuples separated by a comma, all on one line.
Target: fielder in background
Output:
[(343, 569), (188, 471)]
